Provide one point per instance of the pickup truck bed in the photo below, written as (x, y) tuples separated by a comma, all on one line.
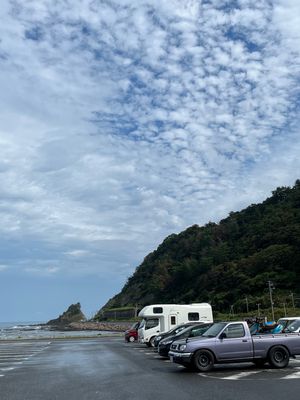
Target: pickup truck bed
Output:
[(232, 342)]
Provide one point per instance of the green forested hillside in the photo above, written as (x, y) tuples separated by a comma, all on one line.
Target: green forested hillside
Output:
[(225, 263)]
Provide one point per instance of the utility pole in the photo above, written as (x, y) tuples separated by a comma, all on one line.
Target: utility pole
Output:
[(271, 288), (284, 309), (292, 297), (258, 309), (247, 305), (231, 311)]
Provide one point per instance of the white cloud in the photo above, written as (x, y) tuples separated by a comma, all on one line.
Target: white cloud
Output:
[(126, 121), (42, 271), (77, 253)]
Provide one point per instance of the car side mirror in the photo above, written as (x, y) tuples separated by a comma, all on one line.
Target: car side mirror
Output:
[(223, 336)]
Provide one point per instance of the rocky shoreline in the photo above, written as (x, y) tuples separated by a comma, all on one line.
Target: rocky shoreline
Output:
[(73, 319), (118, 326)]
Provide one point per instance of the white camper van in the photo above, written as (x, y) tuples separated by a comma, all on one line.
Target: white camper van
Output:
[(159, 318)]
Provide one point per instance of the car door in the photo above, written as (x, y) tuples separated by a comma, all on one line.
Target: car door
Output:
[(233, 343)]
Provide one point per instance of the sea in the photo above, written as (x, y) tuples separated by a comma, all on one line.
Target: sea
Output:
[(38, 330)]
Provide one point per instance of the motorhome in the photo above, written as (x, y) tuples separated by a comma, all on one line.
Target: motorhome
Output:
[(160, 318)]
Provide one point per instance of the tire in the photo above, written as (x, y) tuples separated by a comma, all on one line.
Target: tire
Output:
[(131, 339), (151, 341), (259, 363), (278, 357), (148, 344), (203, 360)]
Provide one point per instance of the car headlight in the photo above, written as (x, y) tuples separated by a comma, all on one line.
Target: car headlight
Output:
[(182, 347), (158, 338)]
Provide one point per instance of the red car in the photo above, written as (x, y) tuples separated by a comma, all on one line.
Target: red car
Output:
[(132, 333)]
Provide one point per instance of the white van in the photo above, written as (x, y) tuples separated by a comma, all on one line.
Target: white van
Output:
[(160, 318)]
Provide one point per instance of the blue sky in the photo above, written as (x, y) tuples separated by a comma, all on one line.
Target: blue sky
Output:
[(122, 122)]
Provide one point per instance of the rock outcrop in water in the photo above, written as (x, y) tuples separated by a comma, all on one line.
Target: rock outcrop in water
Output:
[(72, 314), (74, 320)]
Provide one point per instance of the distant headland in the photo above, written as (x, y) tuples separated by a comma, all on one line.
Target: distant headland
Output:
[(73, 319)]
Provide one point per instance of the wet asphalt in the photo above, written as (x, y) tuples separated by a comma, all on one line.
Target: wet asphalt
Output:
[(110, 369)]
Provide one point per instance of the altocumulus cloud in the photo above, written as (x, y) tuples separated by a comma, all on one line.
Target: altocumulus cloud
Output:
[(125, 121)]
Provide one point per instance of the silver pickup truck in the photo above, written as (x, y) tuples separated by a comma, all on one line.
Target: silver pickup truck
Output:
[(229, 342)]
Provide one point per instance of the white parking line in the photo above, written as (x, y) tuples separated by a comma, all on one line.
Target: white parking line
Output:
[(292, 374), (241, 375), (13, 355), (7, 357), (294, 371), (11, 363), (295, 375)]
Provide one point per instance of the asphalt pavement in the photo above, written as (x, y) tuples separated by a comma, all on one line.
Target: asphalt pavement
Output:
[(110, 369)]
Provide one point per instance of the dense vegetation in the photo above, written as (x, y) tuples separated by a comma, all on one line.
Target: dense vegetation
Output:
[(225, 263)]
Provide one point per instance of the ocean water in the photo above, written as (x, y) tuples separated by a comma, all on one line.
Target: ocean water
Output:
[(36, 330)]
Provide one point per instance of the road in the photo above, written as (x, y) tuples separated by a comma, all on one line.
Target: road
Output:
[(110, 369)]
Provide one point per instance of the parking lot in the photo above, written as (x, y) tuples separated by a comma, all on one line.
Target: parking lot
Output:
[(109, 368), (234, 371)]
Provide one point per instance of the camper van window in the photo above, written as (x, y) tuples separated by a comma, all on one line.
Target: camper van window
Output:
[(151, 323), (157, 310), (193, 316), (173, 320)]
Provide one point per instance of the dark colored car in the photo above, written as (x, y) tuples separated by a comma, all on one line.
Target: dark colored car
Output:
[(172, 331), (131, 334), (190, 331)]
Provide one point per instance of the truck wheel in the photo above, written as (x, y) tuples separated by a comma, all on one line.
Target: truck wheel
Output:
[(148, 344), (151, 341), (131, 339), (203, 360), (279, 357)]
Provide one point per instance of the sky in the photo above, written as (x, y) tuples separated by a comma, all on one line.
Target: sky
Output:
[(123, 121)]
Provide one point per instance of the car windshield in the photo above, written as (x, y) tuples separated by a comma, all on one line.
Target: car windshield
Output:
[(285, 322), (175, 330), (194, 330), (293, 325), (214, 330), (179, 329), (199, 330), (184, 331)]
